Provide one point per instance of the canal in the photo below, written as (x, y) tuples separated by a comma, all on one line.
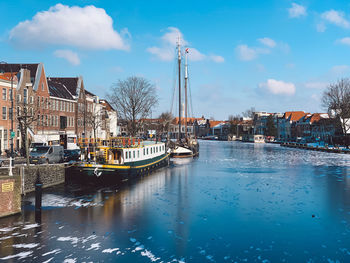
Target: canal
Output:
[(237, 202)]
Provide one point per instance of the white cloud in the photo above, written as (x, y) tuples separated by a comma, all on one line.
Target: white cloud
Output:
[(217, 58), (267, 42), (336, 17), (166, 50), (345, 41), (297, 11), (195, 55), (84, 27), (246, 53), (68, 55), (316, 85), (278, 87)]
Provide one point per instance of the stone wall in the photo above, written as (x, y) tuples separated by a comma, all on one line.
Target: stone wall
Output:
[(10, 195), (50, 175)]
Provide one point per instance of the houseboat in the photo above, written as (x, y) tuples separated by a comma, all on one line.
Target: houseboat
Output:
[(120, 159)]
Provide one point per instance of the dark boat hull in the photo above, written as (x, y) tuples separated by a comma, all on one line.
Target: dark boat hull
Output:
[(109, 173)]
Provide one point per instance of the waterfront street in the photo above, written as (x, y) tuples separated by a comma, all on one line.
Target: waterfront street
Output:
[(237, 202)]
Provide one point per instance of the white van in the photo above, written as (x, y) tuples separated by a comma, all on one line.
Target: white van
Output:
[(46, 154)]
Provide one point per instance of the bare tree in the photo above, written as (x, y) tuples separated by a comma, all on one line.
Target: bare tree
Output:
[(26, 114), (234, 121), (336, 100), (166, 118), (133, 98), (249, 113)]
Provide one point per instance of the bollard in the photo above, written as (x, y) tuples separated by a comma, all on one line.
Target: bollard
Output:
[(38, 197)]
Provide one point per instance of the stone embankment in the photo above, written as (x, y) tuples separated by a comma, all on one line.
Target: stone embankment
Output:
[(23, 181), (315, 148)]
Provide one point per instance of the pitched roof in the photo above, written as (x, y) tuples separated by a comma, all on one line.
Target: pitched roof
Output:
[(318, 116), (294, 115), (17, 67), (58, 90), (89, 93), (7, 76), (70, 84)]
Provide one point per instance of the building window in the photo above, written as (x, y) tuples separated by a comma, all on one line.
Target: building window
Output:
[(10, 114), (18, 98), (25, 93), (31, 100), (42, 87), (18, 111), (10, 94), (4, 113), (5, 138), (4, 94)]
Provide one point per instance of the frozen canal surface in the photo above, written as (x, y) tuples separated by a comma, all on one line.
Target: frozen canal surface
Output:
[(236, 203)]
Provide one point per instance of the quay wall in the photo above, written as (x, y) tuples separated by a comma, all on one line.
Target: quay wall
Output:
[(10, 195), (313, 148), (50, 175)]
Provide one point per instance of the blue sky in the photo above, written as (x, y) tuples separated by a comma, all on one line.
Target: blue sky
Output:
[(275, 56)]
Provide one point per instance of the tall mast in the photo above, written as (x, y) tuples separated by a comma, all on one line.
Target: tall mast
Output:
[(179, 68), (186, 77)]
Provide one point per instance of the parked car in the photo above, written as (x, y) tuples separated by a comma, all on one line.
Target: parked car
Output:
[(46, 154), (71, 155), (36, 144)]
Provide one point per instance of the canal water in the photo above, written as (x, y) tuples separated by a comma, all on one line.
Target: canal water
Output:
[(237, 202)]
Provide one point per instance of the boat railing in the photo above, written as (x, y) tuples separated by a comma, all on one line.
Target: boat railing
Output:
[(122, 142)]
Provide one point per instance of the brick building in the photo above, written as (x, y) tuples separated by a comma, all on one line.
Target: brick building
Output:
[(8, 85)]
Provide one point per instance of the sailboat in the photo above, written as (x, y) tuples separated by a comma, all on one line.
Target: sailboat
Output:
[(185, 146)]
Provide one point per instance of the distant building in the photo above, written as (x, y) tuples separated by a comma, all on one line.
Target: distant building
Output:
[(286, 130), (261, 119)]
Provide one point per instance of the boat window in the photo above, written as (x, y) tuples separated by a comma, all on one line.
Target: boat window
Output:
[(151, 150), (143, 151), (133, 153), (160, 148), (138, 153), (126, 155), (130, 154), (147, 150)]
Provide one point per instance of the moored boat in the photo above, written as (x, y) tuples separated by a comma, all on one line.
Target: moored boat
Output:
[(119, 161), (185, 146)]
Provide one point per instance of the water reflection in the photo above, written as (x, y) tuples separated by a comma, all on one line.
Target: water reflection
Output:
[(237, 202)]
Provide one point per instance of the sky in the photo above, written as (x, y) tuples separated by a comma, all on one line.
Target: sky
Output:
[(275, 56)]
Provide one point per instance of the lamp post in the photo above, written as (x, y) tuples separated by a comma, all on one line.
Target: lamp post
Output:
[(11, 131)]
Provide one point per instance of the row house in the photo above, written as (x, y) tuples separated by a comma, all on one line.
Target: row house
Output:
[(174, 127), (243, 127), (48, 109), (260, 121), (8, 85), (286, 125), (316, 126)]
